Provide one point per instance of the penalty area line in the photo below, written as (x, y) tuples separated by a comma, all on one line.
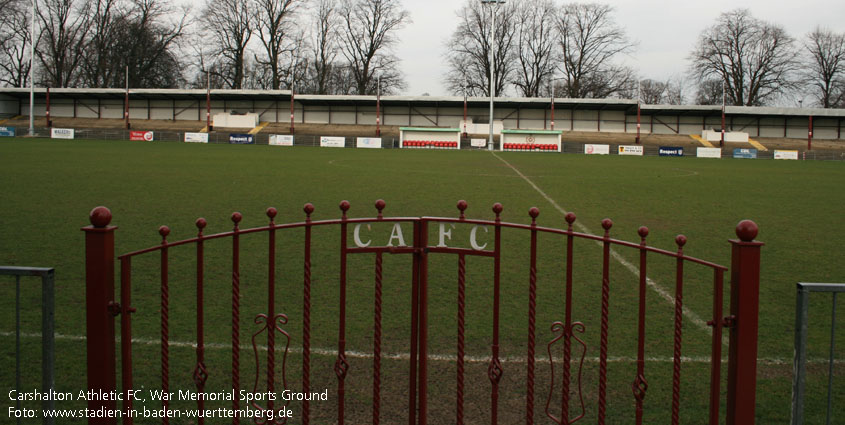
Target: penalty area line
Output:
[(656, 287)]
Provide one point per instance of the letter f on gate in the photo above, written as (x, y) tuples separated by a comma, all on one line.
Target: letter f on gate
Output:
[(444, 234)]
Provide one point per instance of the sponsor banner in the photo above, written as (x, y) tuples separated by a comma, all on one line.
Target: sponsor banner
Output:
[(7, 131), (241, 139), (745, 153), (478, 143), (671, 151), (143, 136), (196, 137), (708, 152), (631, 150), (368, 142), (61, 133), (332, 142), (786, 154), (281, 139), (597, 149)]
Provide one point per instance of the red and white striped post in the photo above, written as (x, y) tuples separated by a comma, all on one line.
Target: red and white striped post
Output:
[(208, 124), (292, 94), (126, 101), (639, 125), (465, 112), (745, 296), (101, 310), (47, 113)]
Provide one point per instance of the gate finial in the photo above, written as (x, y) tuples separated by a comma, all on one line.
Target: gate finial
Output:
[(534, 212), (746, 230), (643, 232), (570, 219), (101, 217), (201, 223), (606, 224), (462, 206), (271, 213), (344, 206), (498, 208), (163, 231), (380, 204), (309, 209)]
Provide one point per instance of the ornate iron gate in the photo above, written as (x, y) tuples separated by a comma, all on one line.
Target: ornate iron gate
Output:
[(102, 307)]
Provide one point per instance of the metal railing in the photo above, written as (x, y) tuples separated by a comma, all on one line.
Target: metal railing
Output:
[(799, 378), (47, 325)]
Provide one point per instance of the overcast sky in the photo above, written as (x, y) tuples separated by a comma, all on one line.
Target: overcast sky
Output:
[(665, 31)]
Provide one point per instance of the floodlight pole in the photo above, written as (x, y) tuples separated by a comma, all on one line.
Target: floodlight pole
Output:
[(378, 106), (552, 121), (31, 73), (292, 90), (492, 59), (722, 139), (292, 94)]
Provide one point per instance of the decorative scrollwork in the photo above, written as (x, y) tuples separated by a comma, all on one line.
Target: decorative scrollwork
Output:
[(200, 374), (341, 366), (276, 323), (560, 329), (639, 387), (495, 371)]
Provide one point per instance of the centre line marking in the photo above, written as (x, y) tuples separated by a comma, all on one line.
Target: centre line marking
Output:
[(691, 315)]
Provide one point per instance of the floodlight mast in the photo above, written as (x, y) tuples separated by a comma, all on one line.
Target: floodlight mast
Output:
[(492, 58), (31, 72)]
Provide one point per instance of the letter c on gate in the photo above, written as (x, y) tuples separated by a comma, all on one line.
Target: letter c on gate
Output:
[(356, 236), (472, 240)]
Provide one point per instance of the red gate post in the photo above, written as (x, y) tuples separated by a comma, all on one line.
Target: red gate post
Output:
[(100, 312), (745, 294)]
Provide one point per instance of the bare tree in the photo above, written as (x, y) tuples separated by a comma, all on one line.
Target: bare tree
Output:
[(98, 67), (153, 32), (709, 92), (826, 73), (755, 59), (324, 41), (369, 34), (469, 49), (64, 24), (590, 42), (652, 92), (274, 25), (535, 38), (14, 39), (230, 26), (675, 91)]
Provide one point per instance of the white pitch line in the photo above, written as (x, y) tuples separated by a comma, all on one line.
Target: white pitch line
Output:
[(329, 352), (691, 315)]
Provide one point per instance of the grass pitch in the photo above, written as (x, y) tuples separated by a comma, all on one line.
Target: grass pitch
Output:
[(50, 186)]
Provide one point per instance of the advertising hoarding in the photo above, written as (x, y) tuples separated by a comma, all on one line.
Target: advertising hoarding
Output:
[(196, 137), (332, 142)]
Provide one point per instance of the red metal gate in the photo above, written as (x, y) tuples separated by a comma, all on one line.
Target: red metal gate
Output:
[(102, 307)]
